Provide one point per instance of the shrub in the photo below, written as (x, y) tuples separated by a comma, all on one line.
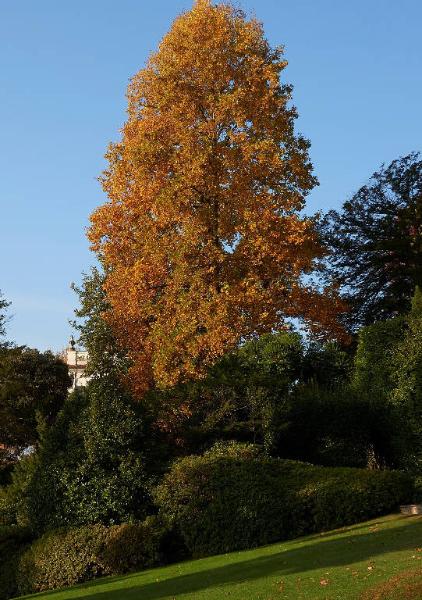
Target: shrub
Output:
[(220, 504), (90, 466), (13, 542), (235, 449), (69, 556)]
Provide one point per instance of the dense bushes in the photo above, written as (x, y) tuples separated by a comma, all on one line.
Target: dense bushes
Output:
[(222, 503), (233, 497), (70, 556), (90, 466)]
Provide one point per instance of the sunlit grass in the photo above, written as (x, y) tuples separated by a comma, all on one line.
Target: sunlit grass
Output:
[(343, 564)]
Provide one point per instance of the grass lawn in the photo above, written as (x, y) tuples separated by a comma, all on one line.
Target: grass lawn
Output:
[(376, 560)]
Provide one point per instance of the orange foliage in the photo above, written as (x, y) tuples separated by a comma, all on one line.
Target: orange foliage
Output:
[(202, 235)]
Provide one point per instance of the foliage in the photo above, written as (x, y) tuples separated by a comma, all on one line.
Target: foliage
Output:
[(232, 449), (33, 385), (339, 427), (5, 472), (242, 395), (407, 377), (329, 365), (95, 334), (69, 556), (376, 243), (230, 503), (246, 395), (14, 495), (13, 543), (374, 356), (202, 238), (90, 467), (388, 370)]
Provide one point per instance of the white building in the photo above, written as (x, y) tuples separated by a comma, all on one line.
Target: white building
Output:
[(76, 361)]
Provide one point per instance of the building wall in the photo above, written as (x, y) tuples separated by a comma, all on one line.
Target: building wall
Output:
[(76, 361)]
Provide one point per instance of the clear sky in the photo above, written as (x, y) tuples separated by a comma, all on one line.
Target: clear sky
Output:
[(64, 67)]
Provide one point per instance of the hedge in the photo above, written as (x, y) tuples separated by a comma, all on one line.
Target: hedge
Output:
[(70, 556), (224, 503)]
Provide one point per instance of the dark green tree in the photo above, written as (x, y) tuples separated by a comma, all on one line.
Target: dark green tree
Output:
[(327, 365), (375, 243), (91, 465), (373, 364), (407, 376), (33, 386)]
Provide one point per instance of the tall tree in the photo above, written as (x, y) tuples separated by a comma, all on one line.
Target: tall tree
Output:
[(376, 243), (202, 237)]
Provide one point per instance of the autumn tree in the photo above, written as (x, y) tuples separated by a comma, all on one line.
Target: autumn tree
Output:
[(375, 243), (202, 236)]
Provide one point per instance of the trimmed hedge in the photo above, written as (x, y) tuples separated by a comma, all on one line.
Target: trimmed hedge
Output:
[(69, 556), (13, 543), (220, 504)]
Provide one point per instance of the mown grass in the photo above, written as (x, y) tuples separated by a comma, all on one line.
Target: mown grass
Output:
[(376, 560)]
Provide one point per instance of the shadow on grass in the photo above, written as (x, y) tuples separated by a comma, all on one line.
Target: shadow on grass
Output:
[(319, 552)]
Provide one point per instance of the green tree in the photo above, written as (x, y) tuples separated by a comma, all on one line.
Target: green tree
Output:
[(95, 334), (95, 463), (375, 243), (327, 365), (33, 386), (373, 365), (90, 467), (407, 376)]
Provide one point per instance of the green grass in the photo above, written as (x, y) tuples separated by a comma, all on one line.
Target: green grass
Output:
[(383, 556)]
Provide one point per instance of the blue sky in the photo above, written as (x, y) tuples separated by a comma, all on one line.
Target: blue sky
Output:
[(64, 67)]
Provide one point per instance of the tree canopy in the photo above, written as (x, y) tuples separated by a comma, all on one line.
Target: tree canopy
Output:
[(202, 237), (32, 384), (375, 243)]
